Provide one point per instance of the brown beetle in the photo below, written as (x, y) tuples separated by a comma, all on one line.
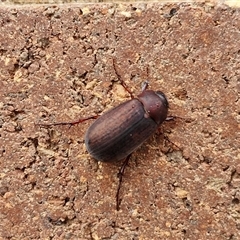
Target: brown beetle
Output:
[(121, 130)]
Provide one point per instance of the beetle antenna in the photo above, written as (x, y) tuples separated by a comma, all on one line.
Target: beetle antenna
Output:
[(120, 79), (120, 176)]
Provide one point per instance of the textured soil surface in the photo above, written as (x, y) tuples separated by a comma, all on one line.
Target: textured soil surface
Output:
[(56, 64)]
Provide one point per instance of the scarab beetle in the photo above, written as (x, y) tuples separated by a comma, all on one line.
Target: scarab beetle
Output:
[(121, 130)]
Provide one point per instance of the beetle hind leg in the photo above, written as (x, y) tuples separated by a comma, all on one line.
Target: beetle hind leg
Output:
[(120, 176)]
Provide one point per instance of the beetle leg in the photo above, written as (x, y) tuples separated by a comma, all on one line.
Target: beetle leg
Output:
[(170, 118), (120, 79), (166, 139), (67, 123), (120, 176), (175, 145)]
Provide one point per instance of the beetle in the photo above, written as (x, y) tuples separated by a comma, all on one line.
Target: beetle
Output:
[(116, 134), (121, 130)]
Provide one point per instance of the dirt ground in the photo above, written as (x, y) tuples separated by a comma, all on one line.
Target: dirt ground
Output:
[(56, 65)]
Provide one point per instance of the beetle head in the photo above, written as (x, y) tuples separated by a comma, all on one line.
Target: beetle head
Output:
[(155, 105)]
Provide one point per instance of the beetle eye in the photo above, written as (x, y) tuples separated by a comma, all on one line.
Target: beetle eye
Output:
[(163, 97)]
